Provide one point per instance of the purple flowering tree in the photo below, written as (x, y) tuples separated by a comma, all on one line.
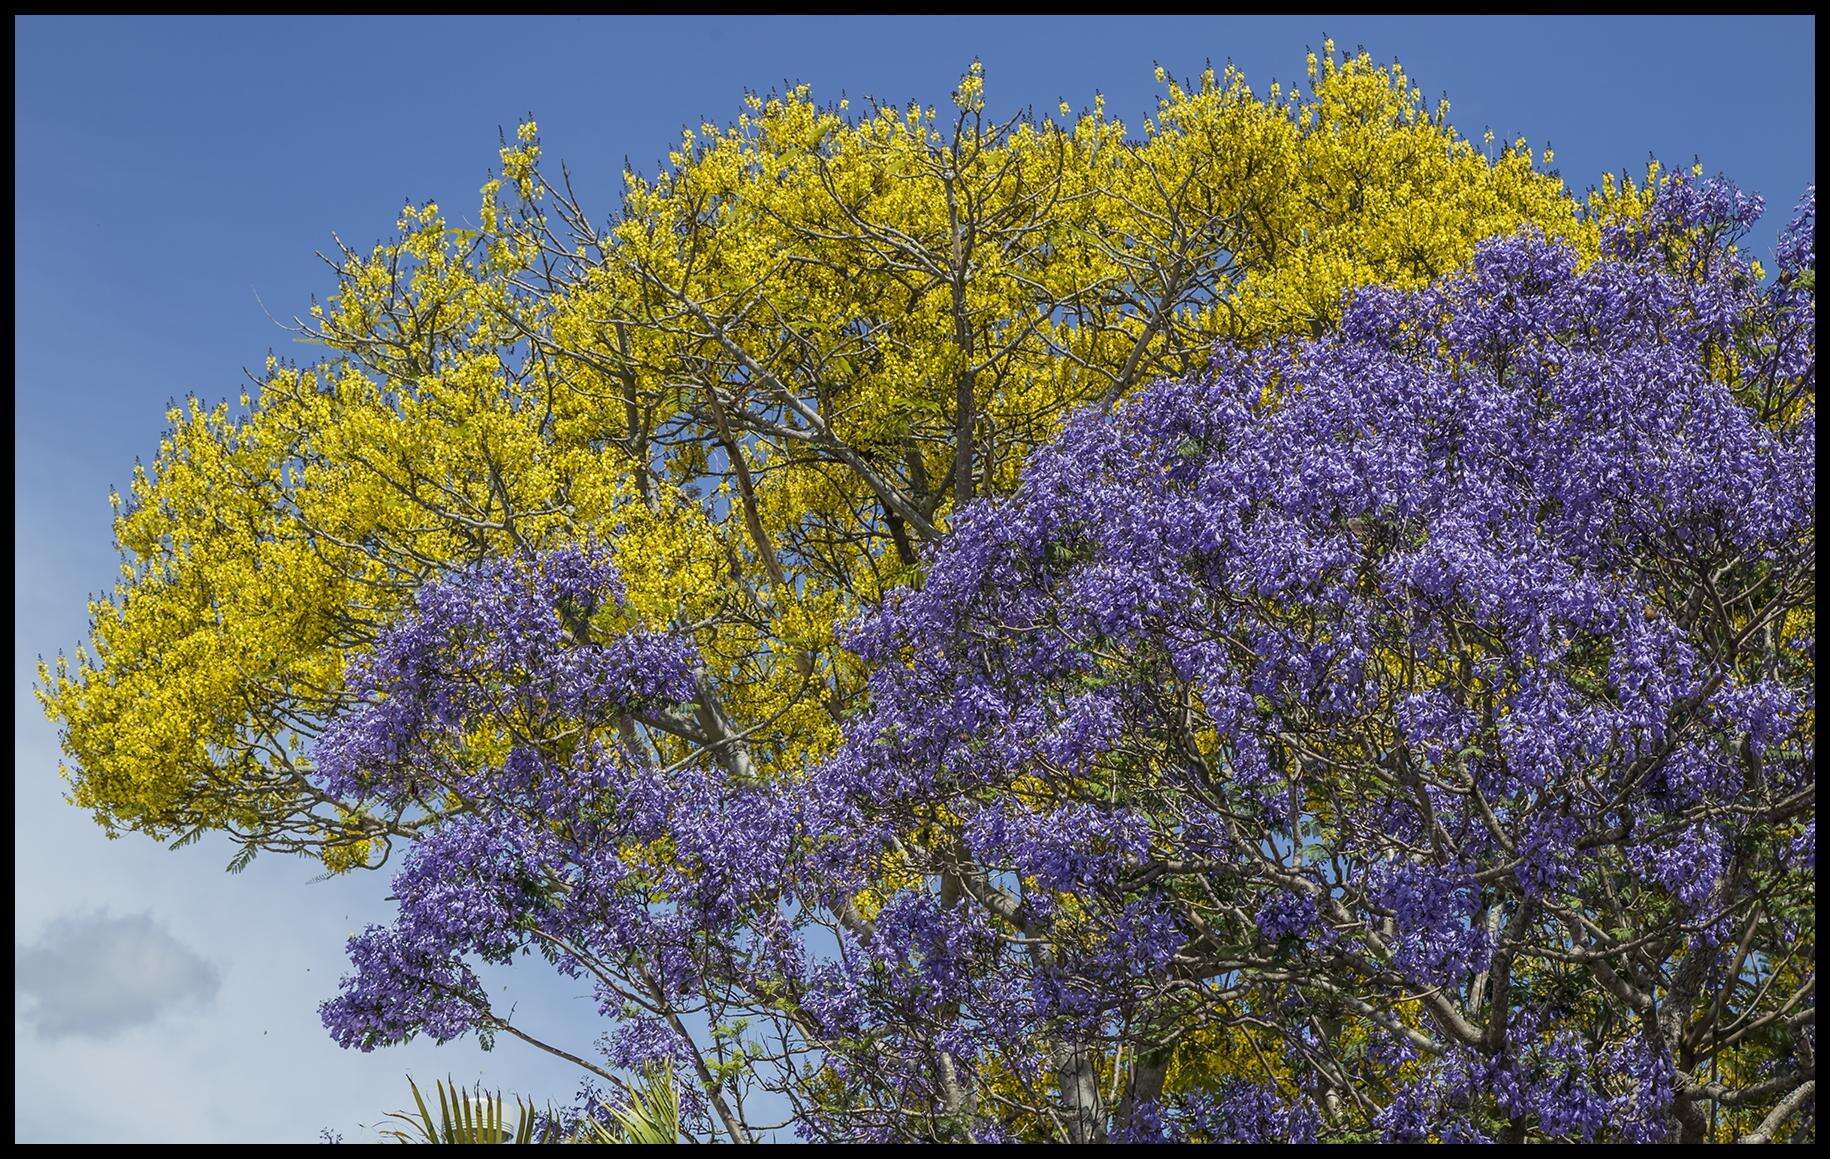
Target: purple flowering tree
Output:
[(1402, 734), (532, 752)]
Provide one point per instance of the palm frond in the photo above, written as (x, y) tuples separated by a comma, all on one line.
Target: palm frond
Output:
[(652, 1114), (466, 1117)]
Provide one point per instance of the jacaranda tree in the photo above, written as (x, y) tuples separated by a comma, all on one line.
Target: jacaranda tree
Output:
[(1402, 732)]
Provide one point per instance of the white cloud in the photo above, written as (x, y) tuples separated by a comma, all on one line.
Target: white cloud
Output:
[(94, 975)]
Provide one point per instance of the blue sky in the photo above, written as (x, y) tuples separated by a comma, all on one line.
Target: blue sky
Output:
[(172, 175)]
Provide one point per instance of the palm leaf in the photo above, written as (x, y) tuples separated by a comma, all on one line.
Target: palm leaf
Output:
[(466, 1117), (652, 1114)]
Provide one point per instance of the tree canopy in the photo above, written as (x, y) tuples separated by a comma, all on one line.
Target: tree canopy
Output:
[(1276, 623), (1404, 733), (769, 377)]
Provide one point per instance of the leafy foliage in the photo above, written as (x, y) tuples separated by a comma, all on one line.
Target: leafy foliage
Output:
[(464, 1117), (651, 1115)]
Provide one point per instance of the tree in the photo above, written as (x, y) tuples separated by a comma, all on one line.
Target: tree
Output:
[(769, 378), (1405, 732)]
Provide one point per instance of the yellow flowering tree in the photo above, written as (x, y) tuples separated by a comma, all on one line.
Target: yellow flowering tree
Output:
[(768, 377)]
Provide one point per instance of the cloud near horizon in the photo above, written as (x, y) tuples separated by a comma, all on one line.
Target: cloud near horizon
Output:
[(95, 975)]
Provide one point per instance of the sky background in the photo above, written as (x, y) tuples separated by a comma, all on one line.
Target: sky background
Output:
[(172, 175)]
